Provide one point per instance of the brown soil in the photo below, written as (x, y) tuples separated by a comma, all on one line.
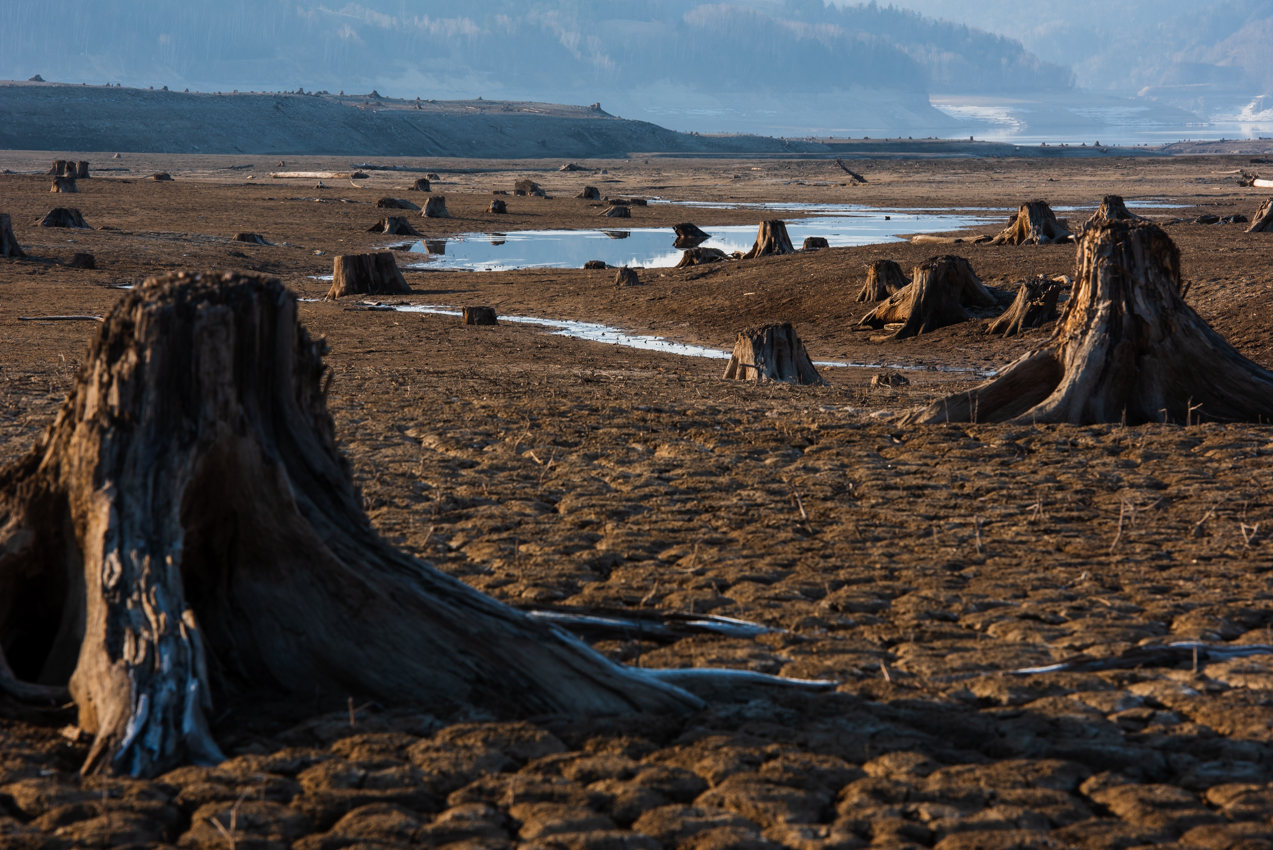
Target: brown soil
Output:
[(913, 566)]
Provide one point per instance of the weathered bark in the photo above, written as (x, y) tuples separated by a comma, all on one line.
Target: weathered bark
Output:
[(528, 187), (161, 176), (82, 260), (64, 185), (249, 238), (59, 169), (815, 243), (435, 207), (939, 290), (63, 217), (9, 247), (187, 525), (366, 274), (688, 236), (394, 225), (589, 193), (420, 185), (700, 256), (617, 212), (1035, 306), (627, 277), (479, 316), (771, 239), (1112, 208), (81, 170), (771, 353), (1263, 221), (1033, 224), (1126, 349), (854, 177), (883, 278), (498, 207), (395, 204)]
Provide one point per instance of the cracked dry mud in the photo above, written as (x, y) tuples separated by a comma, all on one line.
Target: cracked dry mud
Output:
[(916, 567)]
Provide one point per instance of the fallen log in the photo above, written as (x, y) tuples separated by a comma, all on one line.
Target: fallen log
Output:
[(883, 278), (1034, 306), (320, 175), (771, 240), (366, 274), (1033, 224), (594, 265), (9, 247), (395, 204), (1126, 349), (1263, 221), (700, 256), (771, 352), (854, 177), (394, 225)]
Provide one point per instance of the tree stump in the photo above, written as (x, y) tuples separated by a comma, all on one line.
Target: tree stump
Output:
[(366, 274), (627, 277), (9, 247), (83, 261), (595, 264), (883, 278), (394, 225), (1112, 208), (1126, 349), (526, 187), (1263, 221), (1033, 224), (936, 296), (815, 243), (161, 177), (435, 207), (771, 239), (420, 185), (617, 212), (479, 316), (589, 193), (63, 217), (890, 380), (81, 170), (700, 256), (1035, 306), (59, 169), (771, 353), (498, 207), (395, 204), (688, 236), (249, 238), (64, 185), (187, 529)]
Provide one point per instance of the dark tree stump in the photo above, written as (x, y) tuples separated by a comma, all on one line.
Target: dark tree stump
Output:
[(771, 353), (249, 238), (395, 204), (420, 185), (161, 177), (617, 212), (394, 225), (58, 169), (83, 261), (479, 316), (63, 217), (700, 256), (772, 239), (187, 527), (81, 170), (883, 278), (435, 207), (1112, 208), (9, 247), (1033, 224), (1035, 306), (589, 193), (64, 185), (688, 236), (1127, 349), (936, 297), (1263, 221), (595, 264), (618, 202), (498, 207), (815, 243), (366, 274), (627, 277), (526, 187)]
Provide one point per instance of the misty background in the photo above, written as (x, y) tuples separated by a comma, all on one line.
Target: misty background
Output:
[(1137, 70)]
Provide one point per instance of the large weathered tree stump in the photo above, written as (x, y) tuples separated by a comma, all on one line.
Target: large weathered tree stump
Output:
[(64, 185), (688, 236), (435, 207), (700, 256), (627, 277), (63, 217), (81, 170), (186, 528), (1126, 349), (1033, 224), (526, 186), (936, 297), (478, 316), (420, 185), (366, 274), (394, 225), (815, 243), (771, 239), (1112, 208), (498, 207), (771, 353), (1262, 221), (589, 193), (161, 177), (1034, 306), (883, 278), (9, 247)]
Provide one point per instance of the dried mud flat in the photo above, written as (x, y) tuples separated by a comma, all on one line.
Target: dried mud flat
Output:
[(915, 567)]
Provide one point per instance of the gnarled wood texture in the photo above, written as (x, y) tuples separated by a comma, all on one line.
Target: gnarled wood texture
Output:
[(589, 193), (937, 295), (771, 353), (627, 277), (435, 207), (1262, 221), (420, 185), (64, 185), (63, 217), (1033, 224), (883, 278), (771, 239), (815, 243), (1112, 208), (394, 225), (617, 212), (366, 274), (699, 256), (1127, 349), (186, 525), (1035, 305), (9, 247)]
